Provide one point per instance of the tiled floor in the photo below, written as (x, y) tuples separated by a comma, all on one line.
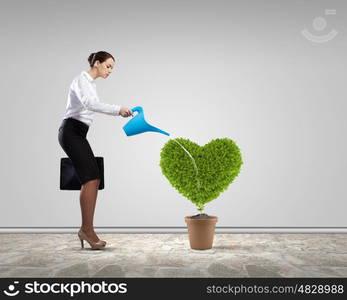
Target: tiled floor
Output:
[(169, 255)]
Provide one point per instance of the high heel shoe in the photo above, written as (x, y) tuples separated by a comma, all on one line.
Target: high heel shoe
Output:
[(94, 245)]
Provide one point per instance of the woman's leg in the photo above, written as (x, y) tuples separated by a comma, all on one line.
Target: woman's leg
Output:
[(88, 195)]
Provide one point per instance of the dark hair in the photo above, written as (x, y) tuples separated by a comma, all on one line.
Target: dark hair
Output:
[(101, 56)]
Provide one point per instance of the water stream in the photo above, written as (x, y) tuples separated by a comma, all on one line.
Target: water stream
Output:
[(193, 160)]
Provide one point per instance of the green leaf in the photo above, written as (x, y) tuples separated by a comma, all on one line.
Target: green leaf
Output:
[(218, 163)]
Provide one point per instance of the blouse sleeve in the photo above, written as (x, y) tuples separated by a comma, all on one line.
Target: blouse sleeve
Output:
[(90, 99)]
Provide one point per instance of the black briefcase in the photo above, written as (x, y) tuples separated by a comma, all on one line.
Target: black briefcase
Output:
[(69, 179)]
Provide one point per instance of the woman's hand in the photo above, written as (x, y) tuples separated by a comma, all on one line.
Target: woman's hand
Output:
[(125, 112)]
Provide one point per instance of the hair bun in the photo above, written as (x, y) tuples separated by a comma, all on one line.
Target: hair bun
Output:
[(101, 56)]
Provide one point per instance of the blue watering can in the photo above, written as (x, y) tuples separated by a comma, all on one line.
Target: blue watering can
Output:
[(138, 124)]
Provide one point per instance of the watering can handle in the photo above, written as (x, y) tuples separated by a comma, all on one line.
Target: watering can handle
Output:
[(139, 109)]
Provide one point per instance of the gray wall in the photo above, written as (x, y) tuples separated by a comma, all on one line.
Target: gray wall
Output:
[(201, 70)]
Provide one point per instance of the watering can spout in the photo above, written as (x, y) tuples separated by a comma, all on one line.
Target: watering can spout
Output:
[(138, 124), (155, 129)]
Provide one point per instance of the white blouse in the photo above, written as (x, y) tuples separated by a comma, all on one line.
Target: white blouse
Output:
[(83, 100)]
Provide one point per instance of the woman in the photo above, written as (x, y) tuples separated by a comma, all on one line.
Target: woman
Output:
[(82, 103)]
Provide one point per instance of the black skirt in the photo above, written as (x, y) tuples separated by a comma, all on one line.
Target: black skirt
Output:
[(72, 138)]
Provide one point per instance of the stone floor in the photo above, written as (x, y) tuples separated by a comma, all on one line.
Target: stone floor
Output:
[(169, 255)]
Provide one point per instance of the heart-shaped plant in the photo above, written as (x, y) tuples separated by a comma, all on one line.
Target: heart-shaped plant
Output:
[(200, 173)]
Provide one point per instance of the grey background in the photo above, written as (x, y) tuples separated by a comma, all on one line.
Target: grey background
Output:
[(201, 70)]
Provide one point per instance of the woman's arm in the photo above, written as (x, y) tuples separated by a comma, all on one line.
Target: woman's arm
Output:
[(90, 99)]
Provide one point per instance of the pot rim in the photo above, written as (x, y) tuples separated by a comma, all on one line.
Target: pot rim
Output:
[(209, 219)]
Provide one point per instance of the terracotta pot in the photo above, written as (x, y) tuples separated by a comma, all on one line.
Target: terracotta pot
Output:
[(201, 232)]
